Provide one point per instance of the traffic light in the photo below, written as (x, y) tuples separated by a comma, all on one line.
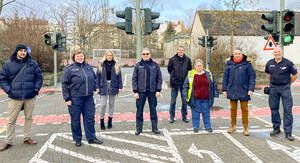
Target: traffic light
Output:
[(201, 41), (61, 42), (288, 27), (211, 41), (271, 27), (149, 25), (47, 39), (127, 15)]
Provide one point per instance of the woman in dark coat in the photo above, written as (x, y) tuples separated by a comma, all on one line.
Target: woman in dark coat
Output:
[(109, 83), (238, 84), (78, 86)]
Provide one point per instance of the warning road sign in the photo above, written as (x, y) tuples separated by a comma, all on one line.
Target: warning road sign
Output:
[(271, 44)]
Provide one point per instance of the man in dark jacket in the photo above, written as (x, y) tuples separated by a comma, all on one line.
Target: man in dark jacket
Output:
[(282, 73), (21, 78), (178, 67), (146, 83)]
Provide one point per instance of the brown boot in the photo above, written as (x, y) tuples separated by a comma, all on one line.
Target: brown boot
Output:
[(246, 132), (233, 114), (5, 146), (29, 141), (231, 129)]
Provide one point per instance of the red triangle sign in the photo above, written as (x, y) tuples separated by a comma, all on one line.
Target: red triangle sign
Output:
[(271, 44)]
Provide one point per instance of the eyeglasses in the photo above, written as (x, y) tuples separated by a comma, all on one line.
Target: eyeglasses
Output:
[(146, 53)]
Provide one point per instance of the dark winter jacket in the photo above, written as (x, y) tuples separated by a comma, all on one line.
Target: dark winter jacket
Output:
[(116, 81), (140, 74), (238, 79), (78, 80), (178, 68), (28, 83), (212, 90)]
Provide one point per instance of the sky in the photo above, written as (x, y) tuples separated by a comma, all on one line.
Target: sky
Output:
[(171, 10)]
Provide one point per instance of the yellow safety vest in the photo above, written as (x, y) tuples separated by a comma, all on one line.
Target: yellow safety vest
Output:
[(191, 75)]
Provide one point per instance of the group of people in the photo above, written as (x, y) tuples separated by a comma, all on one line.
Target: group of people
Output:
[(21, 78)]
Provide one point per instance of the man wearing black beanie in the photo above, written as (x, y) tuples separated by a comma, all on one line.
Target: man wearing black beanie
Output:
[(21, 79)]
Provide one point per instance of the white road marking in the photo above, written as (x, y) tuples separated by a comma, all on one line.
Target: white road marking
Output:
[(193, 150), (4, 100), (173, 148), (125, 79), (131, 94), (243, 148), (294, 154)]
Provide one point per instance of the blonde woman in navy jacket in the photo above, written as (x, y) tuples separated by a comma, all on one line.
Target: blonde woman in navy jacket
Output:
[(109, 84)]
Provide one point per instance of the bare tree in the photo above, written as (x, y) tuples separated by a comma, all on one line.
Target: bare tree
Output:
[(232, 6), (29, 31), (2, 4)]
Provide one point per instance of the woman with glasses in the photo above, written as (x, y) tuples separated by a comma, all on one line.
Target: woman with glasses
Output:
[(199, 90)]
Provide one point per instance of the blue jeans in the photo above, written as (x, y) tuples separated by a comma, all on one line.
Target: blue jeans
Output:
[(201, 106), (140, 103), (174, 93), (82, 105), (283, 92)]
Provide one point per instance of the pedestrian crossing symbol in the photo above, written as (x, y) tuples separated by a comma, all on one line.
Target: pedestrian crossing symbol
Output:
[(270, 45)]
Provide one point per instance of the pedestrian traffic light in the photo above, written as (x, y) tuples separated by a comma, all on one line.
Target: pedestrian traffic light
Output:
[(61, 42), (271, 27), (211, 41), (47, 39), (149, 25), (288, 26), (127, 15)]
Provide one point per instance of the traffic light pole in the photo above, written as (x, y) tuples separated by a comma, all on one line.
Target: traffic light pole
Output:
[(280, 26), (138, 32), (207, 51), (282, 48), (55, 63)]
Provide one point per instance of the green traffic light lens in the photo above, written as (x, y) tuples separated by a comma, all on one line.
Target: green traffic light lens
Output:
[(287, 39)]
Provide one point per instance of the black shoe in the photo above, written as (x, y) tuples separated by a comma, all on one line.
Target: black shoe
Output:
[(109, 124), (171, 120), (78, 143), (156, 131), (196, 130), (209, 130), (185, 120), (275, 131), (102, 125), (289, 137), (95, 141), (137, 132)]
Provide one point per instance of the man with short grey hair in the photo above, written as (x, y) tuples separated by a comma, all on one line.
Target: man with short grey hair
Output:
[(282, 73)]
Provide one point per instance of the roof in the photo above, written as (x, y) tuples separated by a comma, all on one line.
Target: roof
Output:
[(248, 23)]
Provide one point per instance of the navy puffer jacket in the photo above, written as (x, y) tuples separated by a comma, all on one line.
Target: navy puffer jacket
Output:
[(116, 81), (238, 79), (78, 80), (27, 85)]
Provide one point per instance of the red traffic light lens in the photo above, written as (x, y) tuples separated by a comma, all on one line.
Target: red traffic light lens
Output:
[(287, 18)]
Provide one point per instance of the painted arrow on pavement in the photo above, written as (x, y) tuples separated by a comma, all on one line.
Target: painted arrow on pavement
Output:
[(193, 150)]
